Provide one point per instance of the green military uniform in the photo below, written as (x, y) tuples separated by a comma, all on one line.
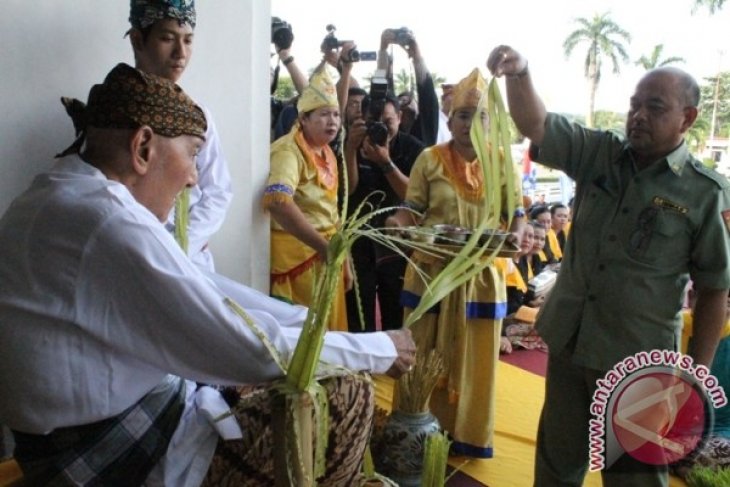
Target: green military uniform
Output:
[(636, 239)]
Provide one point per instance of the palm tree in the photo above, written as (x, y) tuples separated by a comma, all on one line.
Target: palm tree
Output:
[(696, 135), (655, 61), (438, 80), (713, 6), (600, 33), (403, 81)]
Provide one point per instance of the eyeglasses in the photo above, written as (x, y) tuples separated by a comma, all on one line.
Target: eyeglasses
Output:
[(640, 239)]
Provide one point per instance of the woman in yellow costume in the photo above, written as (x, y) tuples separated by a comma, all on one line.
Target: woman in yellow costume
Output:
[(446, 186), (301, 195)]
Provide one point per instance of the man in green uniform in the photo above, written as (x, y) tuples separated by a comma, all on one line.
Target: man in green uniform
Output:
[(648, 216)]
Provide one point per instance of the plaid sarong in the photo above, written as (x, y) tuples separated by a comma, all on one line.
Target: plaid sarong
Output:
[(119, 451)]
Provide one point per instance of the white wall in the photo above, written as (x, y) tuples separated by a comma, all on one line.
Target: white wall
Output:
[(52, 48)]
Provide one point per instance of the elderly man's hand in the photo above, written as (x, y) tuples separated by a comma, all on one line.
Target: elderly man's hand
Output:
[(505, 61), (406, 348)]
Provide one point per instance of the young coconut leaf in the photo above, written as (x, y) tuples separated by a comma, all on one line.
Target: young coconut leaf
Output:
[(182, 218), (435, 457)]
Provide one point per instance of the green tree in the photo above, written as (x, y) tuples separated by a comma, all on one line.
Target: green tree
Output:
[(285, 88), (604, 39), (654, 60), (696, 136), (712, 5), (715, 97), (403, 82), (607, 120), (438, 80)]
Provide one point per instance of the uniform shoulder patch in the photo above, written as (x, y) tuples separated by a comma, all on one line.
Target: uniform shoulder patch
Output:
[(718, 178), (726, 219)]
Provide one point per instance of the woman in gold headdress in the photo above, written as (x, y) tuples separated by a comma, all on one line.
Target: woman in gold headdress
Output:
[(447, 187), (301, 195)]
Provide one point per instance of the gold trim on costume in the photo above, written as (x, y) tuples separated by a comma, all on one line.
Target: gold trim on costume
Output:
[(466, 177), (326, 166)]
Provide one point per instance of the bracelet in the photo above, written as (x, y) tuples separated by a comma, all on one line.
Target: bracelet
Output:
[(287, 61), (521, 74), (386, 168)]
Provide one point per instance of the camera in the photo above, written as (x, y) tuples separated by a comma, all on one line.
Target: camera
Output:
[(368, 56), (402, 36), (331, 42), (281, 34), (373, 105)]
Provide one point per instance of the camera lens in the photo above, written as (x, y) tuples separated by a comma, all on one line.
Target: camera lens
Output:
[(377, 132)]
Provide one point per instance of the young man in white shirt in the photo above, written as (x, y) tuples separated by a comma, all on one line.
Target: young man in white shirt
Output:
[(162, 36)]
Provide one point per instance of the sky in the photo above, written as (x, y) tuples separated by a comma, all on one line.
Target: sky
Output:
[(457, 35)]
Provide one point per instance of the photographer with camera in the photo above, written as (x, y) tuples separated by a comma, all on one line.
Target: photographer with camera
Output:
[(379, 159), (283, 112), (420, 119), (282, 36), (338, 54)]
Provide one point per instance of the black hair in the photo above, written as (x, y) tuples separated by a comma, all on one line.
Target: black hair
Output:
[(537, 211), (356, 91), (556, 207), (389, 98), (146, 31)]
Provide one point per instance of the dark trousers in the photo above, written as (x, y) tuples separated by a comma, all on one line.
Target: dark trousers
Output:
[(562, 453), (379, 274)]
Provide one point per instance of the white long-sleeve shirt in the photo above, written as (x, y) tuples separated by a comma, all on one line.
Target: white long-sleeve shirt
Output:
[(209, 198), (98, 304)]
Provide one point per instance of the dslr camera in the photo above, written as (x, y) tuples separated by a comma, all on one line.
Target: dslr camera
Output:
[(331, 42), (373, 105), (281, 34)]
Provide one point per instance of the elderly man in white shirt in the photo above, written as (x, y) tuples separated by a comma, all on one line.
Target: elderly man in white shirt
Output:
[(102, 314)]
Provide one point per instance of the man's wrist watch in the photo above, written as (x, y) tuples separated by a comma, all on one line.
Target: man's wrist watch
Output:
[(386, 168)]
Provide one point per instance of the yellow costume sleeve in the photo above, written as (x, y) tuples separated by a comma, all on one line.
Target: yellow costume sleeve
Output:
[(284, 172)]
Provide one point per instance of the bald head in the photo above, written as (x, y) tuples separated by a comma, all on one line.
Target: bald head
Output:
[(663, 107), (688, 89)]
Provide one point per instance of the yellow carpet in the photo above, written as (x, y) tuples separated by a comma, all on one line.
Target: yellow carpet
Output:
[(519, 401)]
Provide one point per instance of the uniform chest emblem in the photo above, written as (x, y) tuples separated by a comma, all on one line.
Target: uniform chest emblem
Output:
[(669, 205)]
